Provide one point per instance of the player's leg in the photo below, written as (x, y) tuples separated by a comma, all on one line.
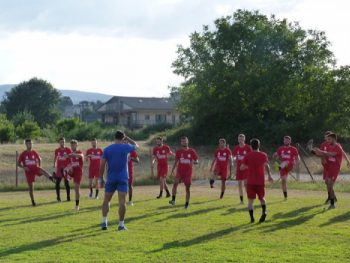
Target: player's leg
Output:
[(188, 195), (284, 178), (263, 208), (173, 197), (77, 195), (130, 192), (212, 179), (31, 192), (166, 187), (105, 207), (330, 184), (251, 209), (57, 187), (97, 186), (240, 190), (122, 210), (67, 186), (47, 175), (223, 187), (161, 186), (91, 186)]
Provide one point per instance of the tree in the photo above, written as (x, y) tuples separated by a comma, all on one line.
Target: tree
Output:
[(20, 117), (7, 130), (64, 102), (28, 129), (36, 96), (262, 76)]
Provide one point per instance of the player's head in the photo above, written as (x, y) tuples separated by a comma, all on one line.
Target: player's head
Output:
[(94, 143), (61, 141), (119, 135), (326, 134), (29, 144), (184, 141), (74, 144), (222, 143), (331, 138), (255, 144), (159, 141), (241, 138), (287, 140)]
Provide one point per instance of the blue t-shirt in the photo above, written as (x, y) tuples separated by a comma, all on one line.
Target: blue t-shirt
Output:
[(117, 160)]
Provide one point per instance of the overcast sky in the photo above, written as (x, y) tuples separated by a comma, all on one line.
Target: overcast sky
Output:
[(127, 47)]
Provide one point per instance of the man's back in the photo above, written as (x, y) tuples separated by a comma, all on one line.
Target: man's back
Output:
[(256, 167)]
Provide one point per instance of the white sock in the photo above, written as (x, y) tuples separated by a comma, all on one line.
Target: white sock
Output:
[(104, 219), (121, 223)]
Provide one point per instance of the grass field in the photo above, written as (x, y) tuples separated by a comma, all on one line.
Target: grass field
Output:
[(211, 230)]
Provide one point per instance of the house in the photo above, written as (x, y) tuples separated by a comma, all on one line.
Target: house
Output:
[(134, 112)]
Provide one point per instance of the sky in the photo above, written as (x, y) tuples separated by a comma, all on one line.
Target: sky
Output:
[(126, 48)]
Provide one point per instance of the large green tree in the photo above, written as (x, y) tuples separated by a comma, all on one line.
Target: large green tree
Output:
[(36, 96), (262, 76)]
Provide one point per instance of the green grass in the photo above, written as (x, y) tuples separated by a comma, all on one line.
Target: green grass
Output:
[(212, 230)]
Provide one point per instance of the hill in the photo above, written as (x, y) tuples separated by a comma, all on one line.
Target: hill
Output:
[(75, 95)]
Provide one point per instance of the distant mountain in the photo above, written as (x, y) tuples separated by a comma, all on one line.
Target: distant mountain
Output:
[(75, 95)]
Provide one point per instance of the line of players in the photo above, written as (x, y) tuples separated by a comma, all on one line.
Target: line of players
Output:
[(250, 166)]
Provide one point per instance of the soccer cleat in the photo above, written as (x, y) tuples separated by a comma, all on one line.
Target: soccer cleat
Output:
[(96, 197), (33, 203), (104, 226), (167, 195), (262, 218), (211, 182), (122, 228), (90, 196), (131, 203), (159, 196), (186, 206), (58, 199), (331, 207), (77, 208), (252, 220), (327, 201), (172, 202)]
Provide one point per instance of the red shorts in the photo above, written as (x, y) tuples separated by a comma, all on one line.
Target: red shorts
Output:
[(77, 174), (183, 178), (255, 190), (162, 171), (94, 172), (60, 171), (288, 168), (33, 171), (241, 175), (131, 178), (222, 171), (332, 172)]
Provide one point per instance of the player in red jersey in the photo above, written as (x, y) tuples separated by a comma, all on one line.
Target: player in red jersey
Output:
[(184, 160), (160, 155), (220, 165), (334, 156), (256, 162), (60, 163), (75, 169), (93, 156), (288, 156), (239, 152), (30, 161), (132, 158)]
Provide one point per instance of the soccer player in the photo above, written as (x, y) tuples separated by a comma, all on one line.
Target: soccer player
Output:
[(334, 156), (93, 156), (219, 167), (116, 157), (60, 163), (256, 162), (133, 158), (184, 160), (288, 156), (160, 155), (239, 152), (75, 170), (30, 161)]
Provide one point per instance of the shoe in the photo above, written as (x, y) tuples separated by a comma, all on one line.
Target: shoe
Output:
[(96, 197), (122, 228), (168, 195), (58, 199), (131, 203), (262, 218), (241, 203), (159, 196), (327, 201), (90, 196), (186, 206), (252, 221), (33, 203), (104, 226), (68, 198), (172, 202), (331, 207), (285, 199), (77, 208)]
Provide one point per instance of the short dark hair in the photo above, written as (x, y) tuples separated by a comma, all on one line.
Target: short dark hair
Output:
[(119, 135), (94, 139), (327, 132), (332, 135), (73, 142), (27, 140), (61, 139), (222, 139), (287, 137), (255, 143), (159, 138)]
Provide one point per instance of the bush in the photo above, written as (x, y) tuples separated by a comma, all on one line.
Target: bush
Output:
[(7, 130), (29, 129)]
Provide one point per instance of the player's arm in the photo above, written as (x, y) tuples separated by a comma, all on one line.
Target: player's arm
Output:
[(131, 141), (20, 163), (268, 170), (212, 164), (345, 157), (55, 160), (135, 159), (174, 166), (39, 161), (319, 152)]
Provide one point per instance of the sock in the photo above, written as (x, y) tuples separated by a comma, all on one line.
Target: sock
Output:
[(222, 194), (160, 193), (332, 201), (96, 195), (66, 184), (241, 198), (91, 191), (58, 182), (186, 204), (104, 219), (251, 213), (76, 202), (167, 191), (121, 223), (285, 194), (33, 202), (211, 181), (263, 209), (173, 198)]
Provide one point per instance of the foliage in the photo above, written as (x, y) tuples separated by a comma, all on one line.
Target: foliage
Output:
[(262, 76), (7, 130), (20, 117), (28, 129)]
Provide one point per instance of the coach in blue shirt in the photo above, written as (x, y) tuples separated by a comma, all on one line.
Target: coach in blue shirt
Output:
[(116, 157)]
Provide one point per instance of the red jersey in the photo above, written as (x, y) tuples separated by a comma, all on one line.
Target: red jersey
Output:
[(323, 146), (240, 152), (29, 158), (77, 162), (94, 155), (288, 153), (185, 158), (133, 154), (222, 156), (161, 153), (256, 167), (337, 159), (62, 161)]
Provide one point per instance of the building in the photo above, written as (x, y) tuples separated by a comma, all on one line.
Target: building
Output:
[(134, 112)]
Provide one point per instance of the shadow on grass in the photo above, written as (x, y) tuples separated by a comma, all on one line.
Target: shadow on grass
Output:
[(27, 205), (338, 219), (182, 205), (200, 239), (295, 213)]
